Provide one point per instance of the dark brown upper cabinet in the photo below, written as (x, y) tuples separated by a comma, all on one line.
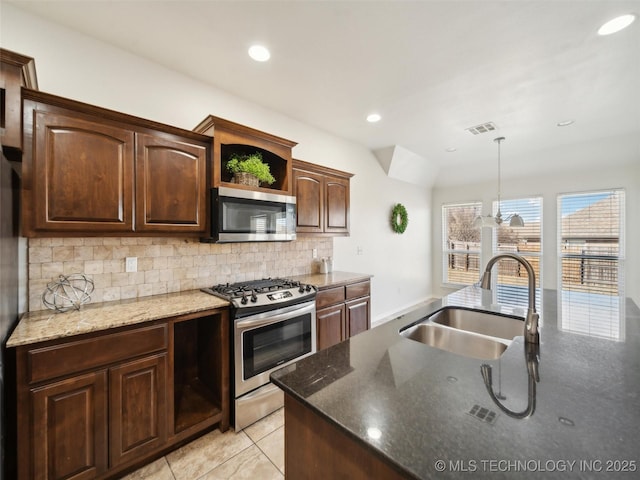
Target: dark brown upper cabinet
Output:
[(170, 184), (230, 137), (322, 199), (16, 71), (91, 171)]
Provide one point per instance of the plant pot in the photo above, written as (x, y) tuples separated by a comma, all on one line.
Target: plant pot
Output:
[(244, 178)]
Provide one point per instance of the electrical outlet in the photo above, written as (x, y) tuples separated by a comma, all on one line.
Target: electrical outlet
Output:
[(314, 253), (358, 250), (131, 264)]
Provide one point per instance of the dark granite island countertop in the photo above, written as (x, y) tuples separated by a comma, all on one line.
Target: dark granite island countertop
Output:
[(409, 404)]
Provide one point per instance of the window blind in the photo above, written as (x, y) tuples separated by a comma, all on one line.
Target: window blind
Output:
[(460, 243), (512, 279), (591, 263)]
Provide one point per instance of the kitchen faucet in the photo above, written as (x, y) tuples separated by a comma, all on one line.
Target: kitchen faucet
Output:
[(532, 358), (531, 332)]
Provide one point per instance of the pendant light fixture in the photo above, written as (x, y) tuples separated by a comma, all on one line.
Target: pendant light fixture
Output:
[(514, 219)]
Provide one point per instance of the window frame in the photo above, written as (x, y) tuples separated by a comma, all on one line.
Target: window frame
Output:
[(596, 319), (446, 251)]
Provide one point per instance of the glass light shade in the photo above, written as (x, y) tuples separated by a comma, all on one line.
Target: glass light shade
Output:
[(516, 221), (484, 221)]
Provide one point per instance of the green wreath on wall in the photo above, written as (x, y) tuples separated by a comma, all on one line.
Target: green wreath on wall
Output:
[(399, 218)]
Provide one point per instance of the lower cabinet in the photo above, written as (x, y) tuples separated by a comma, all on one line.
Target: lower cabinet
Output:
[(95, 406), (342, 312), (330, 326), (137, 408), (70, 425)]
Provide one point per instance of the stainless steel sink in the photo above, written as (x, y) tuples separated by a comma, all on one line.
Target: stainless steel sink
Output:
[(484, 323), (455, 341)]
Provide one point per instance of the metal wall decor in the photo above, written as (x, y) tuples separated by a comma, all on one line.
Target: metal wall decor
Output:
[(68, 292)]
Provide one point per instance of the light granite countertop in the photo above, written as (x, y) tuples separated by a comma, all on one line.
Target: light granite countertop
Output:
[(333, 279), (42, 325)]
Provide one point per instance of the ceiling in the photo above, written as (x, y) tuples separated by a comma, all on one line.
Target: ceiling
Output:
[(431, 69)]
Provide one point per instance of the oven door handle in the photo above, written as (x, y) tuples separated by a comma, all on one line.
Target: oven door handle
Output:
[(262, 319)]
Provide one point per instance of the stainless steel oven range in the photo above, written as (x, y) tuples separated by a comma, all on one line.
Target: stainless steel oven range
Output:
[(274, 324)]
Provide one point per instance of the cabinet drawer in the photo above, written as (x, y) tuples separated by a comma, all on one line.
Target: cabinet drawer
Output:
[(358, 289), (70, 357), (329, 296)]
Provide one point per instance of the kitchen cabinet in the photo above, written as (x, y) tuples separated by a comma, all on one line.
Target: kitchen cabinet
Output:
[(342, 312), (69, 433), (100, 404), (16, 71), (331, 324), (170, 185), (315, 448), (322, 198), (86, 171), (137, 408), (230, 137)]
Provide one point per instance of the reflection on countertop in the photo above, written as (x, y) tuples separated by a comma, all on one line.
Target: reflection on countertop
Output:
[(424, 402)]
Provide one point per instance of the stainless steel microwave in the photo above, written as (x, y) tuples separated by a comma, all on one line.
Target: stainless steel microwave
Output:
[(250, 216)]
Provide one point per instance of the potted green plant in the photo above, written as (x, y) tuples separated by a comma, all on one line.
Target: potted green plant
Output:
[(249, 169)]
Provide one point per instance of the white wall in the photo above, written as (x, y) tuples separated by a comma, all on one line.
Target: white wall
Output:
[(75, 66), (549, 186)]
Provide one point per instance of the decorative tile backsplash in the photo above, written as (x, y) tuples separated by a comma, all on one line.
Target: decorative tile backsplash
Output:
[(165, 265)]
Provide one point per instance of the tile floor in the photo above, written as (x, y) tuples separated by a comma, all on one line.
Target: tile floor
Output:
[(257, 452)]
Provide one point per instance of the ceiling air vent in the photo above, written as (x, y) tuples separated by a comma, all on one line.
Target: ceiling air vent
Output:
[(482, 128)]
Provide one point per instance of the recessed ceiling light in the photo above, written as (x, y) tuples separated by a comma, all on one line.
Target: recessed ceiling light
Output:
[(373, 118), (565, 123), (259, 53), (450, 149), (616, 24)]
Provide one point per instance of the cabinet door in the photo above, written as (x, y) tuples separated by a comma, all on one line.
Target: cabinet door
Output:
[(70, 428), (337, 205), (330, 323), (308, 189), (138, 408), (82, 175), (170, 185), (358, 316), (16, 71)]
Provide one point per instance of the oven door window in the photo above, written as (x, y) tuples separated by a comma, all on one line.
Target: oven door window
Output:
[(266, 347), (255, 217)]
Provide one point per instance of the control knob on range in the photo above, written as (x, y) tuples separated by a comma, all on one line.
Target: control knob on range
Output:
[(308, 288), (254, 297), (244, 298), (301, 289)]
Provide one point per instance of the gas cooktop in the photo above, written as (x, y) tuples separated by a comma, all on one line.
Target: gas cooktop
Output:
[(257, 296)]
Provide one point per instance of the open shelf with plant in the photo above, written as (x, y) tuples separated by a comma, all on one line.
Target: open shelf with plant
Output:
[(234, 141)]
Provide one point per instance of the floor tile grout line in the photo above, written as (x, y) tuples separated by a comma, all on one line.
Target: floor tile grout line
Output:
[(227, 460), (265, 453), (238, 453)]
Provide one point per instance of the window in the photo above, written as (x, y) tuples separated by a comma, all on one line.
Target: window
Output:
[(525, 241), (460, 243), (591, 258)]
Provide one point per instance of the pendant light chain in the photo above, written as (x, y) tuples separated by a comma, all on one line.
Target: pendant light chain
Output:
[(499, 214), (515, 220)]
